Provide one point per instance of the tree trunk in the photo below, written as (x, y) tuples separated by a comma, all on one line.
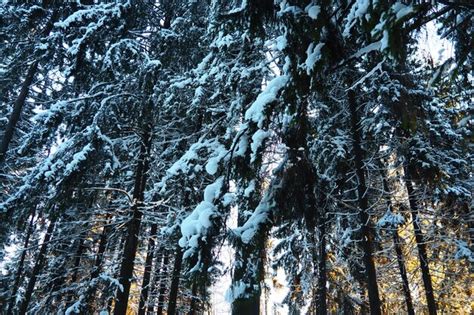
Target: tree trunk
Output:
[(163, 283), (17, 109), (146, 273), (21, 263), (366, 229), (36, 269), (155, 285), (77, 258), (403, 273), (420, 243), (175, 281), (20, 101), (322, 277), (193, 306), (133, 229), (400, 259), (101, 250), (90, 293), (250, 255), (77, 261)]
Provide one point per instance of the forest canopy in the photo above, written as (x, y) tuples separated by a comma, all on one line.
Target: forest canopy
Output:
[(236, 157)]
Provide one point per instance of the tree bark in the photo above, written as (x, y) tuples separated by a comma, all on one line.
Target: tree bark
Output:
[(249, 255), (20, 100), (420, 243), (321, 308), (403, 273), (17, 109), (155, 285), (175, 281), (77, 261), (193, 306), (77, 258), (400, 259), (36, 269), (133, 229), (21, 263), (366, 229), (90, 293), (163, 282), (146, 273)]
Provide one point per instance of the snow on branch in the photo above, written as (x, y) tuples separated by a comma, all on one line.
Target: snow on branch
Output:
[(194, 227), (256, 112)]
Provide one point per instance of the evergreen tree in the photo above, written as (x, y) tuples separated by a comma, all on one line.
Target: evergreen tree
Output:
[(140, 141)]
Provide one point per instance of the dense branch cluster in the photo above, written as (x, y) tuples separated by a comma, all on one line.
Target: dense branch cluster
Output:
[(316, 141)]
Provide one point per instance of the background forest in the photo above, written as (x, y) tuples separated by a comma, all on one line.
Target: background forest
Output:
[(152, 149)]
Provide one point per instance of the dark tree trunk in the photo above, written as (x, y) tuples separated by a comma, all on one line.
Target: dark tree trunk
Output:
[(77, 258), (249, 255), (400, 259), (36, 269), (133, 229), (175, 281), (420, 243), (316, 218), (155, 285), (322, 277), (403, 273), (21, 263), (193, 306), (163, 283), (90, 293), (77, 261), (146, 273), (17, 109), (20, 101), (100, 251), (249, 305), (366, 229)]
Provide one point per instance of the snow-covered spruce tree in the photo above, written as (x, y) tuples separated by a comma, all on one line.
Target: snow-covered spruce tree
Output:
[(136, 131), (410, 115), (25, 32), (180, 35), (319, 55), (238, 55), (65, 170), (50, 119)]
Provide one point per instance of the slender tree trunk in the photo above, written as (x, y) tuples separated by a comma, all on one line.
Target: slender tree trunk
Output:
[(118, 250), (100, 251), (21, 263), (193, 306), (420, 243), (250, 303), (77, 258), (146, 274), (128, 261), (403, 273), (250, 255), (316, 223), (77, 261), (36, 269), (321, 307), (133, 229), (366, 229), (20, 100), (155, 285), (90, 293), (163, 283), (17, 109), (400, 259), (175, 281)]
